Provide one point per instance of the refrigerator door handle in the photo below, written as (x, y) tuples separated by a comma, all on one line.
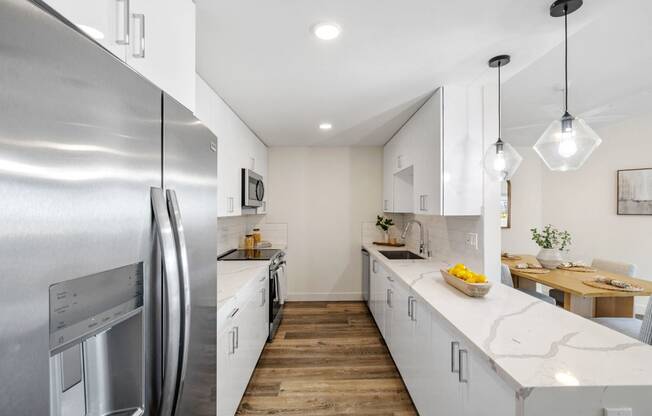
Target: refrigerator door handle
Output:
[(182, 259), (173, 312)]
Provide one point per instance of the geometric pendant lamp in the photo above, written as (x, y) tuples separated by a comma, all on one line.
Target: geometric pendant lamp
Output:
[(567, 142)]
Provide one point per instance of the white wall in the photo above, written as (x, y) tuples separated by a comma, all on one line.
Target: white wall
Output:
[(584, 201), (324, 195), (527, 204)]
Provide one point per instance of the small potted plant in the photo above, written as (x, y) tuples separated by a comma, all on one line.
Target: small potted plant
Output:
[(553, 243), (384, 223)]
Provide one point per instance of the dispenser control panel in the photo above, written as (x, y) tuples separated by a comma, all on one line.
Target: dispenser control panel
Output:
[(83, 306)]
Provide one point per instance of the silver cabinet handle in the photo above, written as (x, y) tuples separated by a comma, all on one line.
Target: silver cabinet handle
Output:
[(389, 278), (229, 204), (386, 204), (182, 260), (173, 310), (373, 266), (425, 202), (413, 303), (398, 161), (464, 367), (455, 348), (409, 308), (231, 342), (390, 292), (234, 312), (122, 23), (236, 344), (262, 297), (139, 46)]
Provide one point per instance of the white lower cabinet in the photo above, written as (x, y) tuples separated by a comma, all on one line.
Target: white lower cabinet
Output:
[(443, 375), (241, 338)]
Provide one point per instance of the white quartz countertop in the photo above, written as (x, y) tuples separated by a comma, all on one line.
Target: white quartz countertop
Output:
[(531, 343), (234, 275)]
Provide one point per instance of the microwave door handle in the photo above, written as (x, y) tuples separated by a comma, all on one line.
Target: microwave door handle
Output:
[(172, 312), (182, 258), (260, 190)]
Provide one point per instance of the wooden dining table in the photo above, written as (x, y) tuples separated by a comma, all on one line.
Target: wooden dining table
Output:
[(579, 298)]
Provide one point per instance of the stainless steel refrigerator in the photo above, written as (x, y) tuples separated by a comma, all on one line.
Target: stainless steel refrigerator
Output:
[(107, 232)]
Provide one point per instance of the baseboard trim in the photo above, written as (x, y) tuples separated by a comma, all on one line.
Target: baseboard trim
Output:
[(315, 297)]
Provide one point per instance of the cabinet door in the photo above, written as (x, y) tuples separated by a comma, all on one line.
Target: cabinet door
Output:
[(388, 176), (401, 328), (481, 385), (445, 391), (421, 364), (106, 21), (262, 319), (426, 129), (162, 46), (228, 390), (462, 152)]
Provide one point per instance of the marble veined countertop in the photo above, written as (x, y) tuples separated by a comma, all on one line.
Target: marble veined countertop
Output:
[(234, 275), (530, 343)]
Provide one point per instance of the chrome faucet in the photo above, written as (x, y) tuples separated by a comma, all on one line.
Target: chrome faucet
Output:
[(424, 240)]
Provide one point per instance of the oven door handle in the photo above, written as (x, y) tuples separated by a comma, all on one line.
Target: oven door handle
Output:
[(275, 278)]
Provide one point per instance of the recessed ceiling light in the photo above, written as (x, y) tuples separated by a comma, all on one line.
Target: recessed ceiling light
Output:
[(326, 31), (92, 32), (325, 126)]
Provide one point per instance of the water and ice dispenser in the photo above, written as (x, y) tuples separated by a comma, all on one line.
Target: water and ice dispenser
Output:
[(96, 344)]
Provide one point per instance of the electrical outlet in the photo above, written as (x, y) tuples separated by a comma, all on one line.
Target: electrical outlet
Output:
[(618, 412), (472, 240)]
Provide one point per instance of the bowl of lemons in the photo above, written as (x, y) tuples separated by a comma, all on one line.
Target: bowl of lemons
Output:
[(466, 280)]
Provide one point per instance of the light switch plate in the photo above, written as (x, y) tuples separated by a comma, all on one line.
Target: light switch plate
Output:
[(618, 412)]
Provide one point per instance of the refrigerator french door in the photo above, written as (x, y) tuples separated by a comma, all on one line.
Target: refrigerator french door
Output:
[(107, 242)]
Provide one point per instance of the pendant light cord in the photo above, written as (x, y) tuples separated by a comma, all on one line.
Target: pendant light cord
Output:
[(565, 58), (500, 113)]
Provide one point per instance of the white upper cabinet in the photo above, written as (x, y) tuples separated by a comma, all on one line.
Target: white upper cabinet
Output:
[(155, 37), (106, 21), (433, 163), (238, 148), (162, 46)]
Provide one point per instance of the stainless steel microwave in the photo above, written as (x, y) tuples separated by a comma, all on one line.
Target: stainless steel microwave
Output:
[(253, 189)]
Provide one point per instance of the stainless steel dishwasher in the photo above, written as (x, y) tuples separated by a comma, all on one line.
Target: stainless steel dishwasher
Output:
[(365, 275)]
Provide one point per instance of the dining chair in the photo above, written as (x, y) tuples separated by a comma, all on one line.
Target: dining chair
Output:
[(626, 269), (506, 279), (635, 328)]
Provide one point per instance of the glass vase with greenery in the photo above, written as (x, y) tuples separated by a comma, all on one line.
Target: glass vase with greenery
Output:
[(384, 223)]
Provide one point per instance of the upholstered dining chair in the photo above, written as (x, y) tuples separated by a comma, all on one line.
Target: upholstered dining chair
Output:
[(626, 269), (635, 328), (506, 279)]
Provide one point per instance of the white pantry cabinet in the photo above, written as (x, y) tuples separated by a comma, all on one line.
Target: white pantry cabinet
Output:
[(241, 338), (238, 148), (155, 37), (432, 165)]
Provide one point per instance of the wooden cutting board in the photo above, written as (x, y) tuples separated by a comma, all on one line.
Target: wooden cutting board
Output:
[(378, 243)]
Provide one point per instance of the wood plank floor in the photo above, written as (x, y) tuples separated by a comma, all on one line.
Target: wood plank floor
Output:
[(327, 358)]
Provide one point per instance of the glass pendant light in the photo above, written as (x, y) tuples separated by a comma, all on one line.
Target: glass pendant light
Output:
[(568, 142), (501, 160)]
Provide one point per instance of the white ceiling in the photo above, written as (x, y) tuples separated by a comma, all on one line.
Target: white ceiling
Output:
[(610, 65), (262, 59)]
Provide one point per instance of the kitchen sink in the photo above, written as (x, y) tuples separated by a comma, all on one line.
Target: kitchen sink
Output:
[(400, 255)]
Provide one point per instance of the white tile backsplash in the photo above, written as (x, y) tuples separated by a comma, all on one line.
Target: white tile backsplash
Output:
[(232, 230), (447, 237)]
